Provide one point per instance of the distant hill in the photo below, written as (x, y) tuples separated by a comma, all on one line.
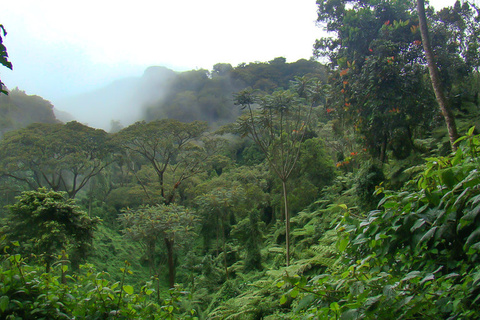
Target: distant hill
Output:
[(122, 100), (18, 110), (186, 96)]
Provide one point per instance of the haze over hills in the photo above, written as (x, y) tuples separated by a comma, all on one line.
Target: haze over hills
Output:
[(122, 100), (191, 95)]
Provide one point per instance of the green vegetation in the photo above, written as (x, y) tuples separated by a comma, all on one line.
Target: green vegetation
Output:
[(3, 56), (334, 195)]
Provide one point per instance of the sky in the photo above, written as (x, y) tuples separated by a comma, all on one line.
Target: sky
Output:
[(60, 48)]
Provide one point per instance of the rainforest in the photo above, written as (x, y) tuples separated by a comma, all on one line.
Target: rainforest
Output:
[(343, 186)]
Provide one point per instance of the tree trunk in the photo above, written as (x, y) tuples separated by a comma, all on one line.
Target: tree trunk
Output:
[(222, 227), (171, 263), (435, 77), (287, 223), (151, 256)]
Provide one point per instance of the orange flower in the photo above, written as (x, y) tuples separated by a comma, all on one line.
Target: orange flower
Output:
[(344, 72), (347, 104), (387, 22)]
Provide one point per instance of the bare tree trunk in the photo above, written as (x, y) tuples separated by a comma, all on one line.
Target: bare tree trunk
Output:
[(287, 222), (435, 77)]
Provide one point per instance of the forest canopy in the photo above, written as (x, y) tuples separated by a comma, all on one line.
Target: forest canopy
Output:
[(269, 190)]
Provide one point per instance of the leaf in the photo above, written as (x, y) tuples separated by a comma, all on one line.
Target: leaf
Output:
[(128, 289), (342, 244), (294, 293), (428, 277), (447, 177), (351, 314), (427, 236), (411, 275), (473, 237), (4, 301), (418, 224), (283, 299), (334, 307)]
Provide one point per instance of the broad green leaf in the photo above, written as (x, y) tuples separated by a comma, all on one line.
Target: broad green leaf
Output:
[(334, 307), (294, 292), (128, 289), (4, 300), (342, 243)]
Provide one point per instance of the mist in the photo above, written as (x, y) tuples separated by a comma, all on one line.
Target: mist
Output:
[(123, 100), (185, 96)]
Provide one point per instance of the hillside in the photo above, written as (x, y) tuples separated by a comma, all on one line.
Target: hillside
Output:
[(187, 96)]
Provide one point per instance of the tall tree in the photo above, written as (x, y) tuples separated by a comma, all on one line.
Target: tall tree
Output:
[(174, 150), (378, 88), (151, 224), (435, 76), (278, 123)]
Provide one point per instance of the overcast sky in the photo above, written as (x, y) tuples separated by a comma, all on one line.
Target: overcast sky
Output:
[(61, 47)]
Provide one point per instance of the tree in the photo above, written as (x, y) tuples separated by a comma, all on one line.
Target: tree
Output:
[(278, 127), (378, 88), (63, 157), (3, 57), (216, 206), (435, 76), (151, 224), (46, 223), (173, 149)]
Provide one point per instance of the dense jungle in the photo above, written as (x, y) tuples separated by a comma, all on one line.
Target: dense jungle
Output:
[(345, 186)]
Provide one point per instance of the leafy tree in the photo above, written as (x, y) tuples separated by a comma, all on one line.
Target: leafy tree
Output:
[(47, 223), (3, 57), (278, 127), (216, 206), (172, 148), (63, 157), (378, 67), (151, 224)]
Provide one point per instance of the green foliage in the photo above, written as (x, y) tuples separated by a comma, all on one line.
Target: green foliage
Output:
[(27, 293), (368, 178), (151, 224), (63, 157), (206, 95), (3, 56), (278, 126), (173, 149), (416, 256), (47, 223), (378, 85), (18, 110)]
